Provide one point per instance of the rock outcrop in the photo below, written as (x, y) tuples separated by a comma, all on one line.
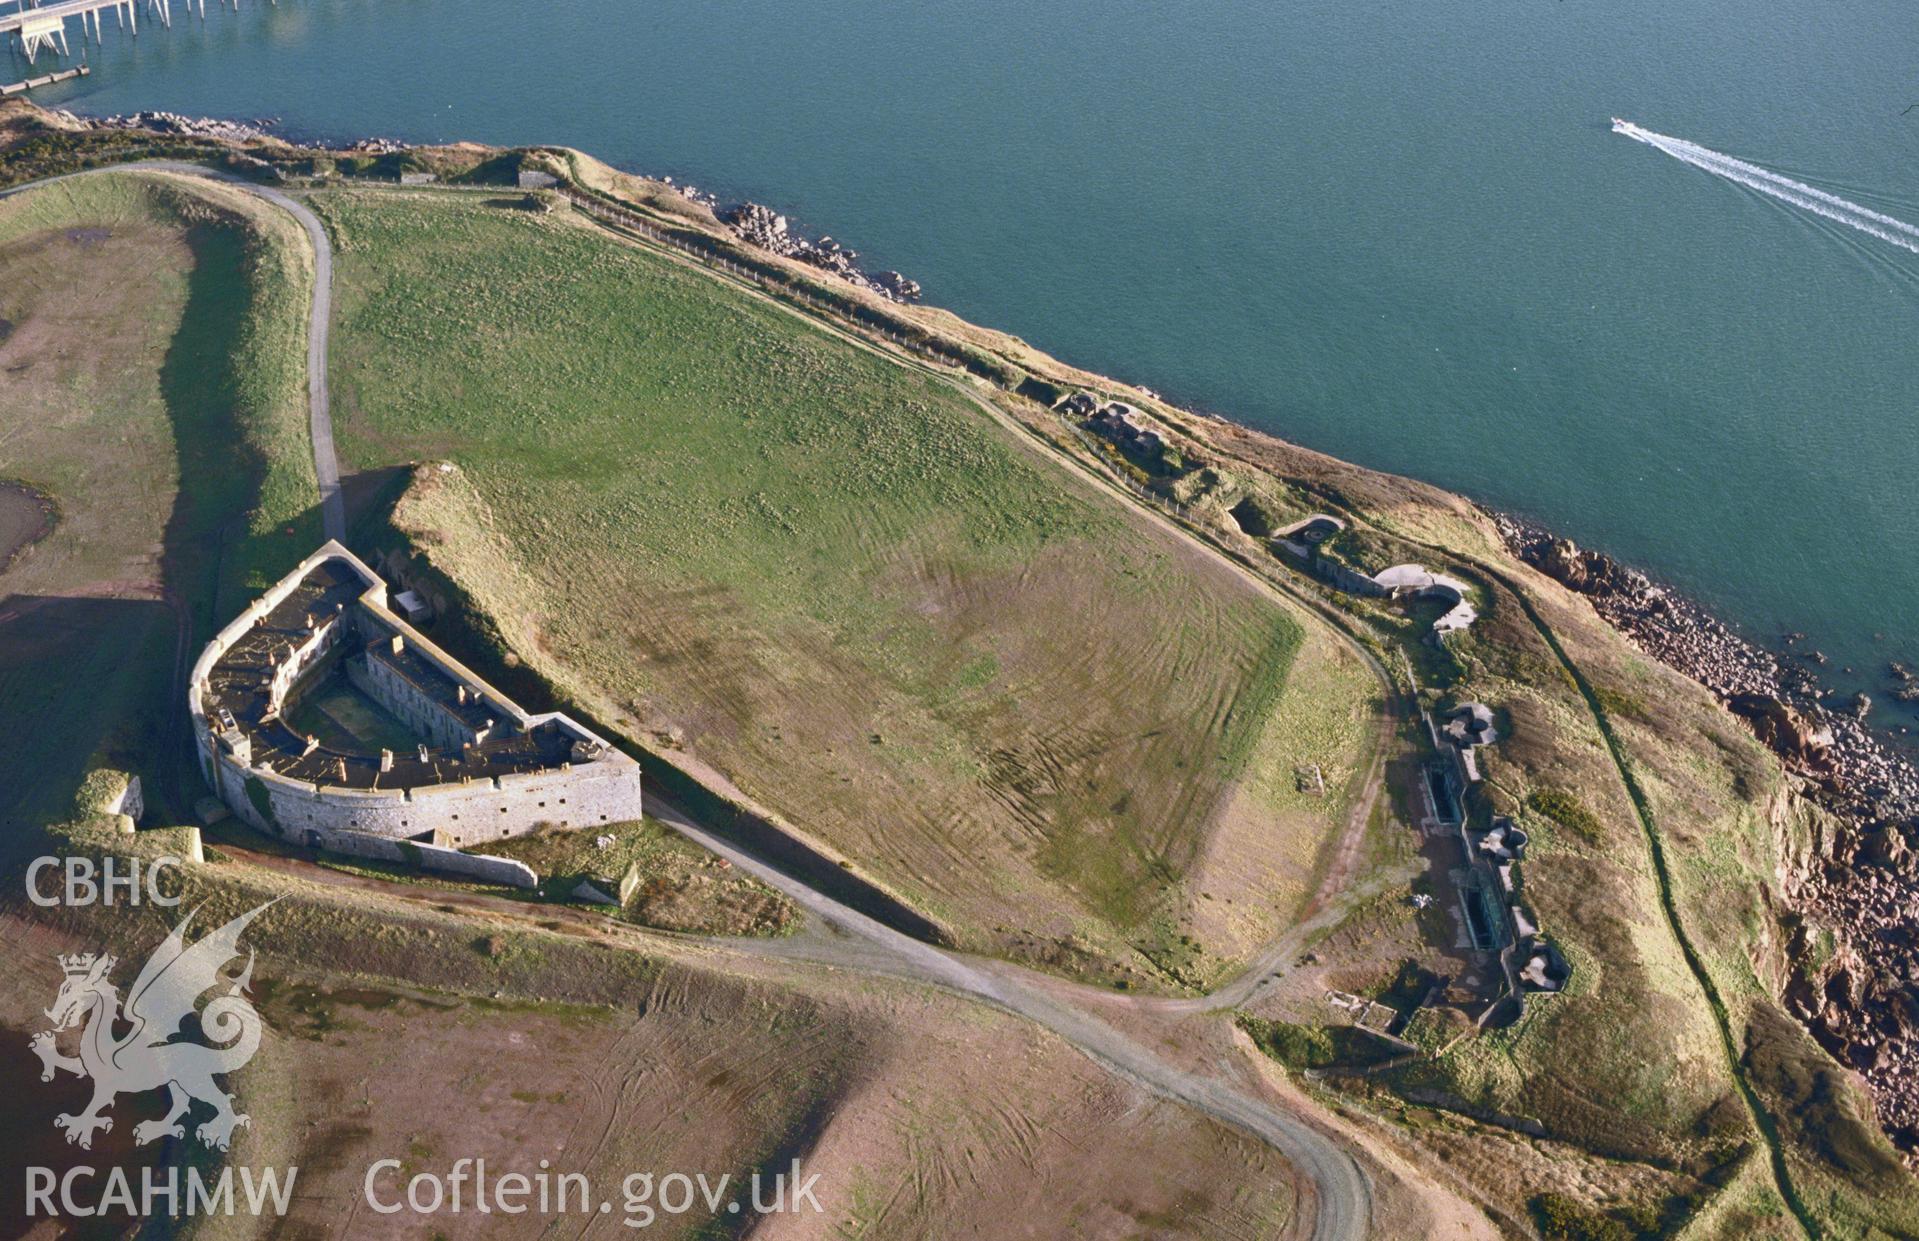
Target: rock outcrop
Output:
[(1804, 745), (1857, 772), (770, 231), (220, 130), (185, 126)]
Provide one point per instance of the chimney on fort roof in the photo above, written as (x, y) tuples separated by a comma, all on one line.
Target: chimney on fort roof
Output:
[(423, 752), (459, 693), (398, 644), (313, 743), (386, 760), (340, 766)]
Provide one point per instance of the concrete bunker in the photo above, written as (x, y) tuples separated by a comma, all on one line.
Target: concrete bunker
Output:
[(1422, 583)]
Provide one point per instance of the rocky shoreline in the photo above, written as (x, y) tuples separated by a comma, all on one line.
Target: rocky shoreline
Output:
[(256, 130), (770, 231), (1855, 891), (1853, 771), (750, 221)]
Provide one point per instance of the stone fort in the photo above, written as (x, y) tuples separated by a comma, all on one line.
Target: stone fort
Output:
[(322, 716)]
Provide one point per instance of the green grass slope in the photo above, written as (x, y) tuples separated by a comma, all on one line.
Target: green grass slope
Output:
[(824, 573)]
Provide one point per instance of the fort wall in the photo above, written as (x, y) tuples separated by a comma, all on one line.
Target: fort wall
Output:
[(583, 795), (600, 786), (252, 615), (302, 657), (507, 871)]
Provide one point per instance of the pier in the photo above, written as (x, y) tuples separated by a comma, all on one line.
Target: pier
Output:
[(36, 25), (65, 75)]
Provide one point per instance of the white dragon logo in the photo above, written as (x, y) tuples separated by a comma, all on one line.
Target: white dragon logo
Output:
[(147, 1057)]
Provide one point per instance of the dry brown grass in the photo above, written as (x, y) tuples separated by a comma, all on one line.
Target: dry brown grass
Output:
[(92, 305), (920, 1114), (157, 336)]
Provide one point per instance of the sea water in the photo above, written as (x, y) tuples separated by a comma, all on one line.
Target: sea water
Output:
[(1401, 231)]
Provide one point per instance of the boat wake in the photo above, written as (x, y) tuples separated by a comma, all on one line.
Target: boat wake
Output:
[(1785, 189)]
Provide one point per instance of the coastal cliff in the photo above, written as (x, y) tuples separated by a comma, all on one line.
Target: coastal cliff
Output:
[(1848, 819), (1699, 877)]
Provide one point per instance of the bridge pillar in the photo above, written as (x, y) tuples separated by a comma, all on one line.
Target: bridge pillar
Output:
[(40, 32)]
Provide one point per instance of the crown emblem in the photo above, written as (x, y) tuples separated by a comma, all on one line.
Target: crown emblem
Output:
[(80, 963)]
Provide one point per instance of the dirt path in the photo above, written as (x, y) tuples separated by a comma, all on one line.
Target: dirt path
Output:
[(1339, 1204), (326, 463)]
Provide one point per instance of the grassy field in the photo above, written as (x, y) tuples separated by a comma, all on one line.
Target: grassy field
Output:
[(825, 574), (1658, 830), (156, 335), (1072, 738), (1274, 840)]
